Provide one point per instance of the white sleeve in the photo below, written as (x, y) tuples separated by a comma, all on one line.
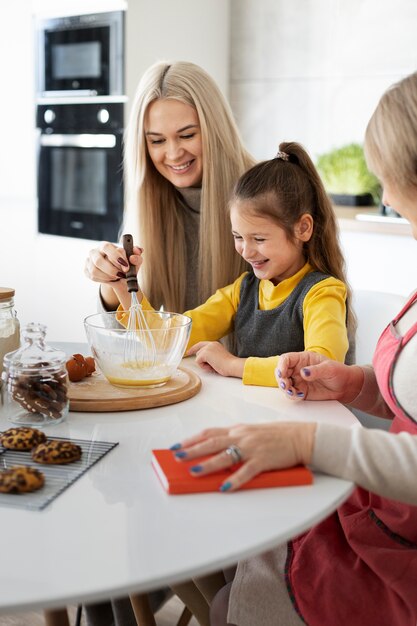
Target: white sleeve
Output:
[(381, 462)]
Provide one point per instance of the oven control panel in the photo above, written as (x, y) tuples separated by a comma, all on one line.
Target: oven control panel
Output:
[(70, 118)]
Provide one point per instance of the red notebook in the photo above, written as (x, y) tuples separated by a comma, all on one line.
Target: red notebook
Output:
[(176, 478)]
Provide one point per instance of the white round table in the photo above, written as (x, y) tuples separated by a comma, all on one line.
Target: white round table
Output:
[(115, 531)]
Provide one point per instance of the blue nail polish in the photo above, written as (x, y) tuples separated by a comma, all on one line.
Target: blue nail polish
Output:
[(306, 371), (225, 486), (282, 385), (181, 455), (279, 373), (300, 394), (196, 468), (290, 392), (176, 446)]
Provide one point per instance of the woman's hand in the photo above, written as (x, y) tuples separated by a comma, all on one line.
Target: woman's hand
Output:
[(262, 447), (212, 356), (108, 265), (309, 375)]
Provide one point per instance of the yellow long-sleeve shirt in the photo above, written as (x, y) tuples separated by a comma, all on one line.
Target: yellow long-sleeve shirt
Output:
[(324, 320)]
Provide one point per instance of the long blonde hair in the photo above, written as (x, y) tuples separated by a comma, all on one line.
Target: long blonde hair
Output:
[(283, 190), (154, 200), (391, 135)]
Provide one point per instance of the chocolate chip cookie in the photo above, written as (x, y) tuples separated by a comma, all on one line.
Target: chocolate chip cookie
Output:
[(23, 438), (20, 479), (56, 452)]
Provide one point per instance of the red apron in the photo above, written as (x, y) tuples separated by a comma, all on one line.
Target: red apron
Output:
[(359, 566)]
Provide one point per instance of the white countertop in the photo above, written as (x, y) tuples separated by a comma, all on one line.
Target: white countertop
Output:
[(115, 530)]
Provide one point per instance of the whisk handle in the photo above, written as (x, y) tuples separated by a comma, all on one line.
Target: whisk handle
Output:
[(132, 281)]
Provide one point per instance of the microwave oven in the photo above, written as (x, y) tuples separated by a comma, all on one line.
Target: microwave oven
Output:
[(80, 55)]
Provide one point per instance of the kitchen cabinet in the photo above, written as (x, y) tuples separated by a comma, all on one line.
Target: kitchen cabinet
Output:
[(369, 220), (380, 262)]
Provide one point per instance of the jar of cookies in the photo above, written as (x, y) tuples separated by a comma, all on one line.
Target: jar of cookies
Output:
[(9, 324), (35, 381)]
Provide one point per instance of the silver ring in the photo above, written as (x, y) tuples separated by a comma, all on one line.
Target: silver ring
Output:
[(235, 453)]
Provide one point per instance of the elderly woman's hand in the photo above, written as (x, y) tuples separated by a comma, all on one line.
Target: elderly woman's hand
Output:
[(260, 447), (312, 376)]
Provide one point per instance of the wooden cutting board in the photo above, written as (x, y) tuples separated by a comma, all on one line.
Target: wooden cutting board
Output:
[(96, 394)]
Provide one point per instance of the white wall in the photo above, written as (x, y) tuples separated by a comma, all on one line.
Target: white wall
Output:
[(17, 103), (182, 30), (312, 71), (47, 271)]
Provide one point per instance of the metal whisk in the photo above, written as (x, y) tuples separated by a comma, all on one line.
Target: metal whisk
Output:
[(139, 348)]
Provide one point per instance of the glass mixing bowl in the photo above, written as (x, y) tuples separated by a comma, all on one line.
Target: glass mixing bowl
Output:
[(144, 358)]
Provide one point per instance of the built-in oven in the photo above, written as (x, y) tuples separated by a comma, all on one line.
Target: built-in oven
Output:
[(80, 188), (80, 55)]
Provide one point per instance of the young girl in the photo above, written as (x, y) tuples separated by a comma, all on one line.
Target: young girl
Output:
[(296, 297)]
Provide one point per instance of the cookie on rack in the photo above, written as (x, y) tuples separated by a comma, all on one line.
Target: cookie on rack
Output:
[(23, 438), (20, 479), (56, 452)]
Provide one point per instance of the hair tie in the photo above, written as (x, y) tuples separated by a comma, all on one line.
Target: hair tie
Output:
[(282, 155)]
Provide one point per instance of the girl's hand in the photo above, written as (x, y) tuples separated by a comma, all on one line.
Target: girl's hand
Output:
[(212, 356), (262, 447), (309, 375), (108, 263)]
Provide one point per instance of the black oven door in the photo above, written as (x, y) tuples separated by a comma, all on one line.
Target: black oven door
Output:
[(80, 189)]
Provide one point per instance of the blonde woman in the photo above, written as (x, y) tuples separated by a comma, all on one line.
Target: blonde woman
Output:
[(183, 154)]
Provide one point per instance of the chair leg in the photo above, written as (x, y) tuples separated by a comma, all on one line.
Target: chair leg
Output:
[(210, 584), (79, 615), (56, 617), (185, 617), (142, 610), (192, 597)]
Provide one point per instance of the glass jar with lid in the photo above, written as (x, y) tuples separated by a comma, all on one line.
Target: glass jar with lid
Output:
[(35, 381), (9, 324)]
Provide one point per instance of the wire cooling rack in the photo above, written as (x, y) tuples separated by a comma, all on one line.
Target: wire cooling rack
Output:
[(57, 477)]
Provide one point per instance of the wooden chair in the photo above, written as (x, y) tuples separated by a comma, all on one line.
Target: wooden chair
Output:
[(196, 595), (141, 608), (56, 617), (144, 614)]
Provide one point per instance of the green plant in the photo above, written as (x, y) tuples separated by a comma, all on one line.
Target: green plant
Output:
[(344, 171)]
